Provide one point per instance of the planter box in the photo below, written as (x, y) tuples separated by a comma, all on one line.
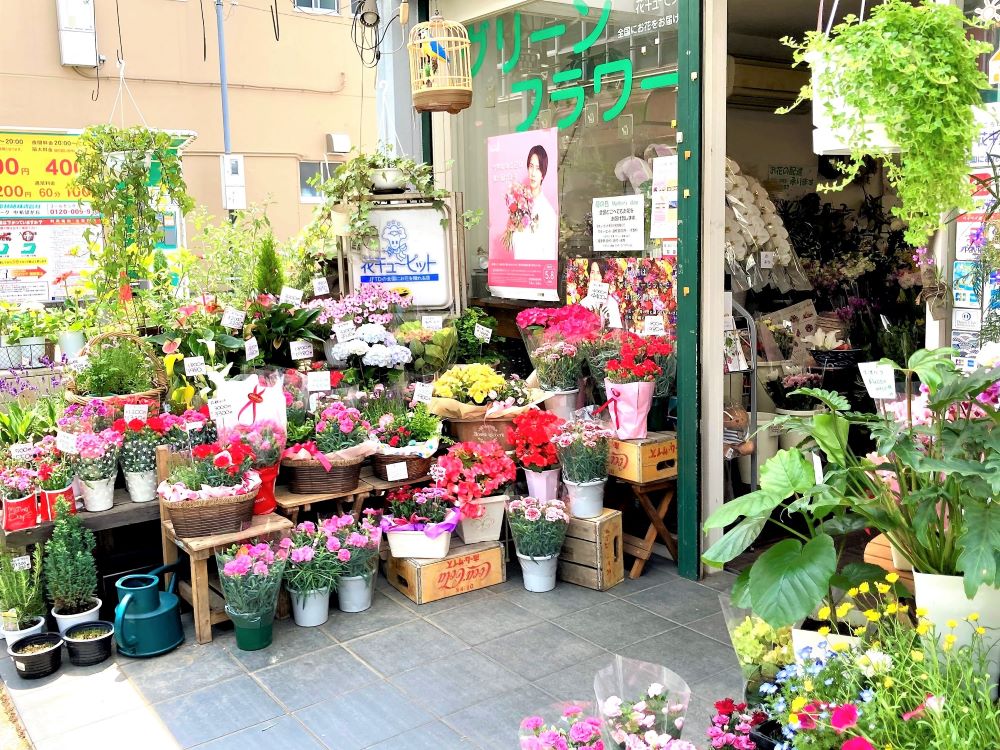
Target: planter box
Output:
[(592, 555), (643, 460), (466, 568), (487, 527)]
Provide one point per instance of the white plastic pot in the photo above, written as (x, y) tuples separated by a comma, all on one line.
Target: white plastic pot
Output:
[(71, 343), (310, 608), (340, 220), (99, 494), (899, 560), (812, 638), (418, 544), (10, 354), (563, 403), (354, 593), (793, 438), (65, 622), (586, 500), (543, 485), (13, 636), (539, 573), (390, 178), (487, 527), (141, 485)]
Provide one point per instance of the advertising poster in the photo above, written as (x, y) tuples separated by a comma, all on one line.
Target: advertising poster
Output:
[(968, 226), (663, 223), (524, 215), (637, 289)]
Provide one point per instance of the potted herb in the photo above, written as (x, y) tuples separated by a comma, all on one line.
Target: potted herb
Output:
[(89, 642), (118, 365), (251, 578), (531, 435), (36, 656), (138, 455), (55, 478), (312, 571), (539, 529), (419, 522), (70, 570), (96, 464), (22, 606), (358, 556), (584, 447), (475, 476), (19, 494)]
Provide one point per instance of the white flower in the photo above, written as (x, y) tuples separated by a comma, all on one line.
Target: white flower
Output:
[(935, 703), (873, 662), (989, 355), (372, 333), (990, 11), (654, 690), (354, 347), (612, 706)]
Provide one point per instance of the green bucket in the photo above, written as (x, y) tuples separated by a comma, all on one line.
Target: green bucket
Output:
[(253, 632)]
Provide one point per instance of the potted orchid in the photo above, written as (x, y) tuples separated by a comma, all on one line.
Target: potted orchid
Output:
[(97, 466), (358, 555), (539, 529), (55, 478), (419, 522), (18, 491), (531, 436), (474, 476), (311, 571), (266, 439), (251, 577), (629, 383), (584, 447), (138, 455)]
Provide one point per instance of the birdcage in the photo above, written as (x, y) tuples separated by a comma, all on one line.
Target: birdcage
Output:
[(440, 67)]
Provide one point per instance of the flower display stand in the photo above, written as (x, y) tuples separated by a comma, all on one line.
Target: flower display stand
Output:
[(467, 567), (593, 553)]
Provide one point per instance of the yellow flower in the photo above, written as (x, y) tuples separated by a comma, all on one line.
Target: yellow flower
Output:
[(844, 608), (904, 607), (807, 685), (864, 587), (799, 703), (872, 615), (840, 646), (891, 608), (917, 655), (888, 682), (974, 617), (949, 640), (892, 577), (824, 630), (852, 592), (824, 613), (883, 588), (922, 628), (793, 719), (921, 612), (952, 624), (980, 630), (859, 631)]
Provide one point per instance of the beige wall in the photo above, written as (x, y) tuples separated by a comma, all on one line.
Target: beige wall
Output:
[(284, 96)]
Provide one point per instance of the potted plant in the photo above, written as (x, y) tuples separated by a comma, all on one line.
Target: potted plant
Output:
[(531, 436), (761, 649), (635, 697), (331, 462), (96, 464), (266, 439), (89, 643), (733, 725), (433, 350), (472, 347), (369, 303), (479, 402), (70, 570), (539, 529), (371, 346), (276, 325), (419, 522), (791, 396), (251, 577), (557, 366), (604, 346), (138, 455), (55, 478), (584, 447), (573, 731), (22, 606), (118, 365), (358, 555), (30, 330), (475, 475), (36, 656), (10, 352), (70, 322), (19, 494), (630, 382), (312, 571), (408, 436)]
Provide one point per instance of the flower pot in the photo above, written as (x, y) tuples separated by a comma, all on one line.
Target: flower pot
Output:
[(418, 544), (899, 560), (99, 494), (340, 220), (794, 438), (586, 500), (141, 485), (487, 527), (389, 178), (265, 502), (71, 343), (310, 608), (48, 499), (563, 403), (543, 485), (85, 652), (65, 622), (253, 631), (767, 446), (20, 513), (13, 636), (483, 430), (812, 638), (10, 354), (354, 593), (539, 573), (40, 664), (32, 351), (629, 407)]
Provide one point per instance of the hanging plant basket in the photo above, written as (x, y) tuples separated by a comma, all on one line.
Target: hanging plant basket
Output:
[(440, 66)]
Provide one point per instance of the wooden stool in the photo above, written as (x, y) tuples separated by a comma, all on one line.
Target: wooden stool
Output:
[(879, 552), (642, 547)]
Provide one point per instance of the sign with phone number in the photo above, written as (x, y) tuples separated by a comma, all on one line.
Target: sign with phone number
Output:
[(38, 167)]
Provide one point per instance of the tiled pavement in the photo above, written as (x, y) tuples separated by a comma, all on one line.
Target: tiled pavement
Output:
[(459, 673)]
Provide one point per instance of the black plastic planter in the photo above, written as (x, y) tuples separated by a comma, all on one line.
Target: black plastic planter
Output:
[(40, 664), (83, 653), (767, 736)]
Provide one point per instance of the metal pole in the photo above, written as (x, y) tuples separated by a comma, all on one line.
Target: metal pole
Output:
[(223, 78)]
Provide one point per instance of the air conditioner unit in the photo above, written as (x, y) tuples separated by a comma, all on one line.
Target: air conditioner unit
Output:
[(761, 84)]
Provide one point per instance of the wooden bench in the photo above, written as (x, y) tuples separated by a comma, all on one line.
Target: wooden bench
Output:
[(289, 503)]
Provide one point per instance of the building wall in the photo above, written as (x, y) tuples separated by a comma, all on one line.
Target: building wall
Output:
[(284, 95)]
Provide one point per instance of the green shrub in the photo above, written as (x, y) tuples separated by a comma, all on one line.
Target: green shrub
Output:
[(116, 369), (70, 569)]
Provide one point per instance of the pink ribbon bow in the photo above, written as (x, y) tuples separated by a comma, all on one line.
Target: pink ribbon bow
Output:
[(312, 450), (256, 396)]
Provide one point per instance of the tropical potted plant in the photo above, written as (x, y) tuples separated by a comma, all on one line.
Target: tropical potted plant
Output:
[(539, 529), (55, 478), (419, 522), (276, 325), (584, 447), (475, 476), (22, 605), (266, 439), (96, 464), (70, 570), (531, 436), (358, 556), (791, 396), (19, 494), (433, 350), (312, 571), (251, 577), (140, 439), (89, 643)]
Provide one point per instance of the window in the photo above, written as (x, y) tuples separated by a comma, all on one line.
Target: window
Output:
[(318, 6), (308, 170)]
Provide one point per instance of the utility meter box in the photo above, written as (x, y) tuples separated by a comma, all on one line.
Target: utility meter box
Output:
[(77, 33)]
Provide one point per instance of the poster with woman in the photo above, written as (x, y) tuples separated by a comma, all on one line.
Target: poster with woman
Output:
[(524, 215)]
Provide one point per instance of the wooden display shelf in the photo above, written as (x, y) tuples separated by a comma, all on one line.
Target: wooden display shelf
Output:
[(879, 552), (380, 485), (290, 503)]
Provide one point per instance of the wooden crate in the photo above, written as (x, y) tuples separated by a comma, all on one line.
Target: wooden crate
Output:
[(466, 568), (648, 459), (592, 555)]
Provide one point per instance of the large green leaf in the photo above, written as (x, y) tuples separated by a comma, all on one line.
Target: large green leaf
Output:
[(830, 432), (740, 596), (980, 544), (831, 399), (931, 365), (790, 579), (734, 542), (845, 524), (788, 473), (756, 504)]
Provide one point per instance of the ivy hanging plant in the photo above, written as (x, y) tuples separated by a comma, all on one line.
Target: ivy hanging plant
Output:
[(913, 70)]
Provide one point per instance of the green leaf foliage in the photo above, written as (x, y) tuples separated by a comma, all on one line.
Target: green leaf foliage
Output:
[(70, 569), (790, 579)]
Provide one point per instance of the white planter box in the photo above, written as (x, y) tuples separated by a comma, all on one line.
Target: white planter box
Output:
[(487, 527), (417, 544)]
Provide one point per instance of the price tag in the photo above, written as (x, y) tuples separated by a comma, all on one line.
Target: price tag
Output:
[(318, 381), (251, 348), (880, 380), (729, 323), (396, 472), (817, 467), (599, 291), (194, 366), (432, 322), (66, 442), (345, 331), (653, 325), (290, 296), (233, 318), (483, 333), (422, 393), (136, 411), (219, 408), (321, 286), (22, 451), (767, 259), (301, 349), (21, 562)]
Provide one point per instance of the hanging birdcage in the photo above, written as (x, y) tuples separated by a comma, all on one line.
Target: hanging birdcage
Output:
[(440, 66)]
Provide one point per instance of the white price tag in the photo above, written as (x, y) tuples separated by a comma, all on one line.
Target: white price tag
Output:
[(432, 322), (729, 323), (21, 562), (653, 325), (599, 291), (136, 411), (321, 286), (423, 392), (22, 451), (219, 408), (194, 366), (396, 472), (301, 349), (251, 348), (233, 318), (290, 296), (483, 333), (66, 442), (318, 381), (345, 331), (817, 467), (880, 380), (767, 259)]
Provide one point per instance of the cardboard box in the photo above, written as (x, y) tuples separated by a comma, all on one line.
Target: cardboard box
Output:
[(648, 459), (592, 555), (466, 568)]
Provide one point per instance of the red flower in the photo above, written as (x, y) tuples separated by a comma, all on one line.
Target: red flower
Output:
[(119, 425), (807, 716), (222, 460), (725, 707), (44, 472), (335, 378), (857, 743), (155, 424), (204, 451), (844, 717), (136, 425), (203, 410)]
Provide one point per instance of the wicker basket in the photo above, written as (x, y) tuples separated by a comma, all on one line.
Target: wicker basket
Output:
[(416, 467), (215, 515), (308, 477), (154, 396)]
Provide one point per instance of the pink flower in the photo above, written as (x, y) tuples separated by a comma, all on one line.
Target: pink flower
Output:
[(302, 554), (344, 555), (857, 743), (333, 544), (581, 732), (260, 568), (532, 514), (285, 543), (844, 717), (532, 723)]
